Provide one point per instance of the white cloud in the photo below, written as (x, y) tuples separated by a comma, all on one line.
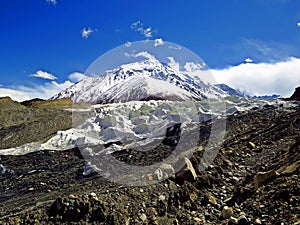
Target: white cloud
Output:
[(298, 24), (22, 93), (53, 2), (130, 55), (139, 27), (44, 75), (173, 64), (248, 60), (14, 94), (262, 78), (86, 32), (175, 47), (146, 55), (75, 77), (44, 91), (127, 44), (147, 32), (136, 25), (158, 42)]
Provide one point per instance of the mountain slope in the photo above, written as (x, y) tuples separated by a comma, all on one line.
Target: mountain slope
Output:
[(232, 92), (148, 79)]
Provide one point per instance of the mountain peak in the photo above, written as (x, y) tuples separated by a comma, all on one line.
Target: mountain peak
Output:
[(140, 80)]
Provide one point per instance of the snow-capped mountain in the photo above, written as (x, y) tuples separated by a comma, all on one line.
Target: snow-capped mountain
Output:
[(233, 92), (143, 80)]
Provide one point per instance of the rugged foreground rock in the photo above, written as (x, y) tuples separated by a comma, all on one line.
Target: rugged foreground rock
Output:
[(254, 180)]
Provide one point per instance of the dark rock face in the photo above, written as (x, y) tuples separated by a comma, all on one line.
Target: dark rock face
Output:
[(296, 95)]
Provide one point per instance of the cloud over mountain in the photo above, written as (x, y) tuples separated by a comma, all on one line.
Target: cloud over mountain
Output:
[(262, 78)]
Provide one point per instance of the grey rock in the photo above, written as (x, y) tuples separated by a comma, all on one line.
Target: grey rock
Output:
[(89, 169), (243, 221), (2, 169)]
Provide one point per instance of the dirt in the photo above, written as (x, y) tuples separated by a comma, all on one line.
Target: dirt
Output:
[(261, 147)]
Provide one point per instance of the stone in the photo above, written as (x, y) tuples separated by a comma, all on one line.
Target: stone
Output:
[(236, 179), (187, 173), (212, 200), (197, 220), (190, 167), (233, 220), (257, 221), (143, 217), (228, 162), (94, 196), (243, 221), (71, 196), (251, 145), (261, 177), (227, 212), (161, 198), (89, 169), (2, 169), (158, 174)]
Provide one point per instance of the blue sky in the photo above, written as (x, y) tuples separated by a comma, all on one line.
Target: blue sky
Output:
[(44, 38)]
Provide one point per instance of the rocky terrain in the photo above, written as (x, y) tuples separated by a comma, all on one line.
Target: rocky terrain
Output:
[(32, 121), (253, 180)]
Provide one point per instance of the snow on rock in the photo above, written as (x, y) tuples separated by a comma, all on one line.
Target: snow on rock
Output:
[(142, 80)]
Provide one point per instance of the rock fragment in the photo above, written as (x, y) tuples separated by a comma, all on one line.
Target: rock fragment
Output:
[(243, 220), (257, 221), (227, 212), (187, 173), (261, 177)]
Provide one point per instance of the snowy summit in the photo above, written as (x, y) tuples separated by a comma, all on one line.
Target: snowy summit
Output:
[(142, 80)]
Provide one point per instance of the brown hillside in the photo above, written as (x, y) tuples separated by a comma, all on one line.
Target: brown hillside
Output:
[(63, 103)]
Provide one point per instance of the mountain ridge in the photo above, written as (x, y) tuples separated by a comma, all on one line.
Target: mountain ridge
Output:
[(141, 80)]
